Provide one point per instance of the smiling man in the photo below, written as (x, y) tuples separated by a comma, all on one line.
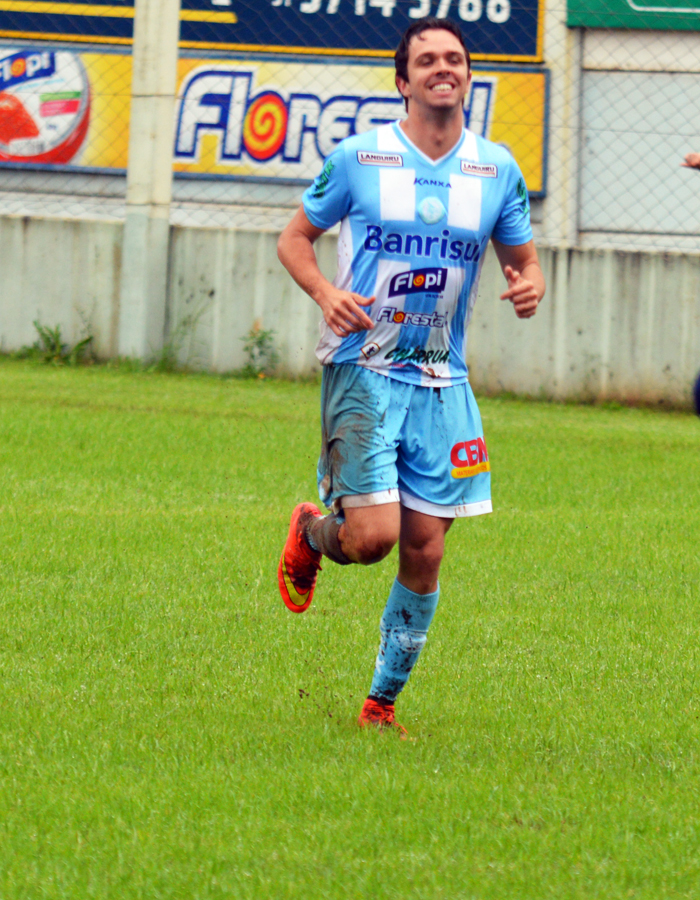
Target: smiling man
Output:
[(403, 451)]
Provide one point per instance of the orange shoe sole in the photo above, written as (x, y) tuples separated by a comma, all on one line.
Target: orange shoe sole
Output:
[(297, 601)]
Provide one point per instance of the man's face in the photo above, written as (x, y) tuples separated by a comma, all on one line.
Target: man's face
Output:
[(438, 77)]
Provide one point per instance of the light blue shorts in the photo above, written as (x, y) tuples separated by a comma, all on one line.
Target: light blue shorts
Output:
[(385, 441)]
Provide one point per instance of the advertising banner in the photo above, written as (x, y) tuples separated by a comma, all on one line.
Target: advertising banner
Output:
[(499, 30), (494, 29), (107, 21), (64, 108), (664, 15), (240, 119)]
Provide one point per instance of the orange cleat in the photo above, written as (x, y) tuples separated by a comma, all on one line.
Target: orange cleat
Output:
[(300, 564), (381, 716)]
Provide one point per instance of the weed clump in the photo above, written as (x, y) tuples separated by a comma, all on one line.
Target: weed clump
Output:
[(50, 348), (262, 354)]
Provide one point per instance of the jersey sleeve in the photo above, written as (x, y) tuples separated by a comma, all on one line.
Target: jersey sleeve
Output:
[(327, 200), (513, 225)]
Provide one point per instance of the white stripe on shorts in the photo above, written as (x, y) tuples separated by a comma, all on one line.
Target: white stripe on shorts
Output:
[(446, 512), (378, 498)]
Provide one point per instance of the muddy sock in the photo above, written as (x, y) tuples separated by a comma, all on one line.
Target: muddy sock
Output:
[(404, 630), (322, 534)]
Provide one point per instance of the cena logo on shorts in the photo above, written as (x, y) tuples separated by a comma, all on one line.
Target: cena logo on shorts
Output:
[(418, 281), (469, 458)]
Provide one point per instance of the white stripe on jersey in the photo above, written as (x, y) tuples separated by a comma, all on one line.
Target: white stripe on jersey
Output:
[(465, 197), (346, 252), (389, 141), (464, 210), (330, 341), (397, 194), (471, 300), (469, 149), (397, 189)]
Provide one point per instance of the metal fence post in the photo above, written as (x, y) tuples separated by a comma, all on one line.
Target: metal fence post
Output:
[(149, 179)]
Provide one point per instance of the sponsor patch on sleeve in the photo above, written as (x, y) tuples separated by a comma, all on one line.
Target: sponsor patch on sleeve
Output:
[(323, 180), (481, 170), (369, 158)]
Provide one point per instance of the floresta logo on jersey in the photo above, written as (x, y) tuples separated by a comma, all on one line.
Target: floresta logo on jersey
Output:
[(400, 317)]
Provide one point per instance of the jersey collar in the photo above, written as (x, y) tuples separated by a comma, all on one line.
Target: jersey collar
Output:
[(431, 162)]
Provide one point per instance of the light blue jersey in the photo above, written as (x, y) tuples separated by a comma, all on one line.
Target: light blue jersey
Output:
[(413, 235)]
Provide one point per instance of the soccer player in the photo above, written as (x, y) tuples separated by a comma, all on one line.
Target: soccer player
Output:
[(403, 451)]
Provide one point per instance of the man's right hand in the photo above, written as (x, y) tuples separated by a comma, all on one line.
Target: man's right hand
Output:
[(692, 161), (343, 311)]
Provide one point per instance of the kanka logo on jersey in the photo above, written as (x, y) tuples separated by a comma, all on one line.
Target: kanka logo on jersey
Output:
[(469, 458)]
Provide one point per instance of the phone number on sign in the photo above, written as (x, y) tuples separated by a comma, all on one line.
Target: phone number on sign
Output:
[(497, 11)]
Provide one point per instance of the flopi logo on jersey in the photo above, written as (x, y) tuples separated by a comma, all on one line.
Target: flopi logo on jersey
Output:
[(418, 281)]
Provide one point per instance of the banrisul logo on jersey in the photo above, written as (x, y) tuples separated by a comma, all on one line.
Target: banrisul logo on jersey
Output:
[(420, 281), (469, 458), (441, 246)]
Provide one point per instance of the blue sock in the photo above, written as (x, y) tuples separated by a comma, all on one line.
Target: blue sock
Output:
[(404, 628)]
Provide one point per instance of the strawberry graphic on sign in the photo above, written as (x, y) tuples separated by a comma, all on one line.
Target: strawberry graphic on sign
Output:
[(44, 106), (15, 121)]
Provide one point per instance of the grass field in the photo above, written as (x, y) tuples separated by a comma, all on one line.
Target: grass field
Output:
[(169, 730)]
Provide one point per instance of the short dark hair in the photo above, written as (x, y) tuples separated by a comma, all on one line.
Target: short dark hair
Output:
[(429, 23)]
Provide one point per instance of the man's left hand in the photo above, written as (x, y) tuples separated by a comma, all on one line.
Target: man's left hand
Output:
[(521, 293)]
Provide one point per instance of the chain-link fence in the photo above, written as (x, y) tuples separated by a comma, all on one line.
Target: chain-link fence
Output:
[(598, 100)]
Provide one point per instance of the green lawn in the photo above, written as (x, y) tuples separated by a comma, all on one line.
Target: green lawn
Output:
[(169, 730)]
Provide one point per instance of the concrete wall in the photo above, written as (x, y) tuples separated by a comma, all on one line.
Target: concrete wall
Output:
[(614, 324), (59, 272), (224, 282)]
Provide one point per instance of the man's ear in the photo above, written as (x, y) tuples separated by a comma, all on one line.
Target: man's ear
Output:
[(468, 91), (402, 87)]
